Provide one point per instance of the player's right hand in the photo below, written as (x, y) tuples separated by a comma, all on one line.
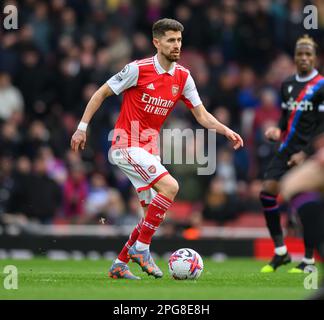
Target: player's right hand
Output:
[(78, 139), (234, 137), (273, 134)]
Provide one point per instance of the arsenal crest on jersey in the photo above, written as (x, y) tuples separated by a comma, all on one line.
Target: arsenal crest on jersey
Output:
[(175, 90), (152, 169)]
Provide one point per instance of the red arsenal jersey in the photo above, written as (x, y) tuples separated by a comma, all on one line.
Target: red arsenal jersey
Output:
[(149, 95)]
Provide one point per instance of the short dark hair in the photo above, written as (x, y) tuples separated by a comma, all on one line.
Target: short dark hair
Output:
[(161, 26)]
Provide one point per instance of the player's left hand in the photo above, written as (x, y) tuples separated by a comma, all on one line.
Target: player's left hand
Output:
[(234, 137), (297, 159)]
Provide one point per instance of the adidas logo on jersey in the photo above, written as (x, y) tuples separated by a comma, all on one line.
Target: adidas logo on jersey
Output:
[(151, 86)]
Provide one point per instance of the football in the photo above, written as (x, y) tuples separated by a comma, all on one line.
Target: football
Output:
[(185, 264)]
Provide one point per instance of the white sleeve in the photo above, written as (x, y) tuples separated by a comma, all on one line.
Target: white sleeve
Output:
[(124, 79), (190, 92)]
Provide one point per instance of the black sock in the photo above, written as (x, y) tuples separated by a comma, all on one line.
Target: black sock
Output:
[(272, 216), (310, 208), (308, 243), (309, 250)]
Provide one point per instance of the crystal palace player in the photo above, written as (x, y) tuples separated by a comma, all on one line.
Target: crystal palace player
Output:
[(302, 120), (151, 87)]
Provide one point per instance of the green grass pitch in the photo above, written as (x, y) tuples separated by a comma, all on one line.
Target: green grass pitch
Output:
[(87, 279)]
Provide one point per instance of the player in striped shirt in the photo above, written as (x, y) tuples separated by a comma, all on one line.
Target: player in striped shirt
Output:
[(301, 121)]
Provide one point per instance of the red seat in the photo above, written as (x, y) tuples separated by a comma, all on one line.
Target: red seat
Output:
[(180, 210), (60, 221)]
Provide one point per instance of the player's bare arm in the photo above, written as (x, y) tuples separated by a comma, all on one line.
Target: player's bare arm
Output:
[(208, 121), (79, 137)]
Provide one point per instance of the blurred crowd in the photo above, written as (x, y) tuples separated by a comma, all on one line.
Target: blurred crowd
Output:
[(238, 53)]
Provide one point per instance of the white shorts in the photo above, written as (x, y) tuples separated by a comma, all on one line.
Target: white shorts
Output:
[(142, 168)]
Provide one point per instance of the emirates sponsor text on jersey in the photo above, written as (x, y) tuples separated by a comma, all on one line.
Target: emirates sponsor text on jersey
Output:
[(156, 105)]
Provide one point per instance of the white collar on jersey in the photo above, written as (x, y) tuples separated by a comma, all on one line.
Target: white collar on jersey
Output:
[(305, 79), (159, 68)]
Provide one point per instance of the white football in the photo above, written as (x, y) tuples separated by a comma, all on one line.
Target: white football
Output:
[(185, 264)]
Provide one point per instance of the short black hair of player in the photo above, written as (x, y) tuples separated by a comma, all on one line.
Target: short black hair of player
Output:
[(161, 26)]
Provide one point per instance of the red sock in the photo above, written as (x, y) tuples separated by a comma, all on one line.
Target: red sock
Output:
[(132, 238), (155, 215)]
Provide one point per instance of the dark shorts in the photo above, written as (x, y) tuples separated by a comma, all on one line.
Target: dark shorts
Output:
[(277, 167)]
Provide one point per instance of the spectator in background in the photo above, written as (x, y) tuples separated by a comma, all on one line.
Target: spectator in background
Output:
[(225, 93), (192, 15), (102, 201), (222, 113), (255, 34), (219, 206), (266, 115), (267, 111), (42, 28), (60, 125), (118, 48), (75, 192), (88, 48), (193, 229), (213, 25), (9, 56), (215, 64), (133, 212), (226, 170), (141, 46), (34, 80), (102, 66), (13, 200), (6, 182), (247, 95), (38, 136), (229, 35), (72, 159), (22, 182), (10, 138), (69, 80), (247, 98), (68, 23), (55, 168), (25, 37), (249, 196), (10, 97), (36, 195)]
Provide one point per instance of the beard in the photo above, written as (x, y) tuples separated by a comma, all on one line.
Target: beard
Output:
[(304, 71), (171, 57)]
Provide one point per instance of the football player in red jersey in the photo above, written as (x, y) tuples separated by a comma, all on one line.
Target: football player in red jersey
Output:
[(151, 88)]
